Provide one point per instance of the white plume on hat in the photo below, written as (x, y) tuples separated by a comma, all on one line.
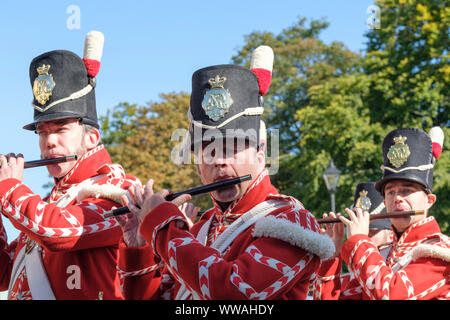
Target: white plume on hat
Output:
[(262, 65), (437, 138), (262, 58), (93, 51), (93, 45)]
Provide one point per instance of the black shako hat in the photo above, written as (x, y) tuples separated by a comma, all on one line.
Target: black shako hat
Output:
[(369, 199), (63, 83), (227, 100), (410, 154)]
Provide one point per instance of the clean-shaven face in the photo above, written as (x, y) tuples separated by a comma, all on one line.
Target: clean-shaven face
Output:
[(403, 195)]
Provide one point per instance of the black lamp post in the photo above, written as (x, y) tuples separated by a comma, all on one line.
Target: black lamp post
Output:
[(331, 177)]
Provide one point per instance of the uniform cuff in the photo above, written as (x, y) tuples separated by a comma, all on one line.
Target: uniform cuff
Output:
[(6, 185), (159, 218), (136, 260)]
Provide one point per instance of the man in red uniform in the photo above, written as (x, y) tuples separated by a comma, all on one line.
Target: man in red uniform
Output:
[(254, 243), (330, 284), (418, 266), (66, 248)]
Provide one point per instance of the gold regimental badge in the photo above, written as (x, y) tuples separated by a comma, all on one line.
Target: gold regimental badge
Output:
[(363, 201), (217, 100), (43, 85), (399, 152)]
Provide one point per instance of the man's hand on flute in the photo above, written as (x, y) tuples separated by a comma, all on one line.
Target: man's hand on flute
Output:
[(335, 231), (143, 201), (190, 211), (11, 166), (358, 223)]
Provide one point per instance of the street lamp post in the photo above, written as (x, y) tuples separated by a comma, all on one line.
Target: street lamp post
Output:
[(331, 177)]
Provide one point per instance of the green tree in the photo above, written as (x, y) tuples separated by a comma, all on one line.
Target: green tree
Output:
[(140, 139), (407, 62), (316, 100), (329, 102)]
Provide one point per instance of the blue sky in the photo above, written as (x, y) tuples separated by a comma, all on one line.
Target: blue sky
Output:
[(151, 47)]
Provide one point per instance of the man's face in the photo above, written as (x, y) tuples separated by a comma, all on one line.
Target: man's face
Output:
[(60, 138), (402, 195), (225, 159)]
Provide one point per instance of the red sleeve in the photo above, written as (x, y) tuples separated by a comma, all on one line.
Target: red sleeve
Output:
[(327, 284), (331, 284), (424, 278), (78, 226), (205, 271), (140, 272), (6, 257)]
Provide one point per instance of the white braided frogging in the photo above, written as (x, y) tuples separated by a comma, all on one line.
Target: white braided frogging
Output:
[(247, 112), (137, 272), (420, 168)]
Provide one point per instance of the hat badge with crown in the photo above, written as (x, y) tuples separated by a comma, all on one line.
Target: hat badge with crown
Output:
[(217, 100), (43, 85), (399, 152)]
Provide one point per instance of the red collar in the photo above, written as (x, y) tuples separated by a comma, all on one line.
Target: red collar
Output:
[(88, 165), (419, 231), (256, 193)]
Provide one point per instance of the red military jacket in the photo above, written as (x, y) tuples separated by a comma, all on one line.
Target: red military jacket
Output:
[(79, 246), (275, 258), (331, 284), (418, 267)]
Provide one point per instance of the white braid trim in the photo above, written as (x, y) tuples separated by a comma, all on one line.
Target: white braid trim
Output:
[(378, 209), (422, 251), (328, 278), (247, 112), (423, 167), (73, 96), (137, 272)]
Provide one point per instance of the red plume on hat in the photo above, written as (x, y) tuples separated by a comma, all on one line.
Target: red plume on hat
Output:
[(437, 138), (261, 65), (93, 50)]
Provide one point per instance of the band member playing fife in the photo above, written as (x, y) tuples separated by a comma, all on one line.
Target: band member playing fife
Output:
[(254, 243), (66, 248), (418, 265), (330, 283)]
